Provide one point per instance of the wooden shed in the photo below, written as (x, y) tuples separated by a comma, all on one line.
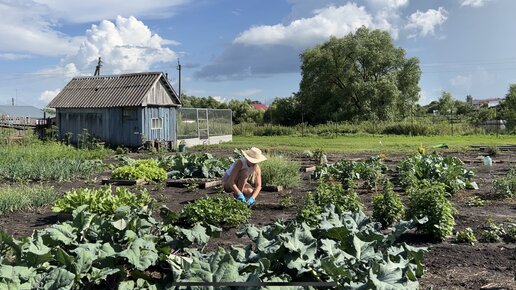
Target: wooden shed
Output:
[(122, 110)]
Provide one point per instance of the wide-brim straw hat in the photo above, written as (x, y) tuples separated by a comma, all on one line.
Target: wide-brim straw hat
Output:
[(254, 155)]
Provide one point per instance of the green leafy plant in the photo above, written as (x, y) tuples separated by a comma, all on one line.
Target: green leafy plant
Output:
[(278, 171), (195, 165), (101, 200), (286, 201), (387, 207), (505, 187), (476, 201), (466, 236), (221, 211), (447, 170), (372, 171), (343, 171), (429, 200), (492, 231), (325, 194), (146, 169)]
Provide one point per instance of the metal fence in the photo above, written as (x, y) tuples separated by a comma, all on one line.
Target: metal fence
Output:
[(203, 123)]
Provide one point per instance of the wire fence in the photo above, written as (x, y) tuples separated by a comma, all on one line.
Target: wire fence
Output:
[(203, 123)]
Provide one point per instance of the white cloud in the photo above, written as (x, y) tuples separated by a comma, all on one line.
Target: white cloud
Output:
[(461, 81), (13, 56), (219, 99), (473, 3), (96, 10), (248, 92), (388, 4), (25, 27), (330, 21), (127, 45), (424, 23), (48, 95)]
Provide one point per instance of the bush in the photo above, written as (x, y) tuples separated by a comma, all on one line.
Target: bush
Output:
[(466, 236), (505, 187), (102, 201), (326, 194), (387, 207), (220, 211), (147, 169), (17, 197), (411, 129), (280, 171), (429, 199)]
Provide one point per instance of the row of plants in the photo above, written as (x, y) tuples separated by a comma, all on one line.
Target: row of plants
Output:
[(146, 169), (490, 232), (21, 196), (38, 160), (129, 249)]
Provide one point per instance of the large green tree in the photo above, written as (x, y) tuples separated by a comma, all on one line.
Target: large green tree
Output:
[(508, 108), (359, 76), (446, 104)]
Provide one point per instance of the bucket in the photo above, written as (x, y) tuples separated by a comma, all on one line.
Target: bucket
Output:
[(488, 161), (181, 148)]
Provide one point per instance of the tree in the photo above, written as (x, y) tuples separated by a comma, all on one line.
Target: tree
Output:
[(243, 111), (359, 76), (284, 111), (508, 108), (446, 104)]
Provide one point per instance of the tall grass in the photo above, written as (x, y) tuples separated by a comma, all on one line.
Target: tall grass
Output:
[(37, 160), (17, 197), (416, 127), (280, 171)]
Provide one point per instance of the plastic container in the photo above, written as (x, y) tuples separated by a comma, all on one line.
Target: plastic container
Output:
[(488, 161)]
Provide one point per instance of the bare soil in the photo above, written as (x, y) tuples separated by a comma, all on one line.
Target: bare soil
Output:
[(448, 265)]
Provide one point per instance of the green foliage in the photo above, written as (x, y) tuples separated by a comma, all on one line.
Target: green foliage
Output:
[(466, 236), (387, 207), (102, 200), (429, 200), (359, 76), (286, 201), (325, 194), (195, 165), (447, 170), (347, 172), (505, 187), (221, 211), (348, 249), (372, 171), (37, 160), (16, 197), (146, 169), (492, 231), (280, 171), (477, 201), (414, 128), (508, 108), (446, 104)]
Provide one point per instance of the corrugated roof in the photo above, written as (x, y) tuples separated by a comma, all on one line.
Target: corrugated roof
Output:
[(21, 111), (126, 90)]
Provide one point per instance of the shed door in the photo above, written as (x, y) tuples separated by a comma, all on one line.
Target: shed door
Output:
[(131, 127)]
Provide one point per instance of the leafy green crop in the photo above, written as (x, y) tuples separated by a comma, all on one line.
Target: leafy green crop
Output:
[(16, 197), (325, 194), (429, 200), (280, 171), (147, 169), (466, 236), (387, 207), (101, 200), (505, 187), (447, 170), (195, 165), (221, 211)]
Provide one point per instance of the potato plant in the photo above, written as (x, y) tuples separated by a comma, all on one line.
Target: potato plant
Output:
[(387, 206), (223, 211)]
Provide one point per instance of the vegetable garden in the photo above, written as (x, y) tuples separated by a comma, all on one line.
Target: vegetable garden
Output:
[(361, 221)]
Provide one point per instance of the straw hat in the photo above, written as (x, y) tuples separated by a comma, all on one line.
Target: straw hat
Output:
[(254, 155)]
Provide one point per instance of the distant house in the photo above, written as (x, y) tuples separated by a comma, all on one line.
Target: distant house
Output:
[(126, 109), (22, 115), (259, 106), (486, 103)]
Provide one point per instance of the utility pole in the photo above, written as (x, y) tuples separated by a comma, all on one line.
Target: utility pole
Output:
[(179, 69), (97, 68)]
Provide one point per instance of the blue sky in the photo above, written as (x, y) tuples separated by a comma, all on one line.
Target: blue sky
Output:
[(247, 49)]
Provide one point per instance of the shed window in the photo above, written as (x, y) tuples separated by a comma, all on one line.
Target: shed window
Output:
[(157, 123), (130, 114)]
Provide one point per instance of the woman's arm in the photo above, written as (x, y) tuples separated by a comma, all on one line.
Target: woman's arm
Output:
[(233, 177), (257, 182)]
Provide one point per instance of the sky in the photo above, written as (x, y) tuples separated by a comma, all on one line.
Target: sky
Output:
[(232, 49)]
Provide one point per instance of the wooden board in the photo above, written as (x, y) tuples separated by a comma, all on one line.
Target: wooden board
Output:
[(308, 168), (124, 182), (201, 183)]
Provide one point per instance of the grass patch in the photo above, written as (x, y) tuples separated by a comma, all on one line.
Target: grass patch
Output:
[(280, 171), (17, 197), (364, 143)]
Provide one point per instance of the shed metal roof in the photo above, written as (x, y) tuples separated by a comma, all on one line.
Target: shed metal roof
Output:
[(22, 111), (125, 90)]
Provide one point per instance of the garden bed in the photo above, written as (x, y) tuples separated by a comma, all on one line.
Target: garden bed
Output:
[(448, 265)]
